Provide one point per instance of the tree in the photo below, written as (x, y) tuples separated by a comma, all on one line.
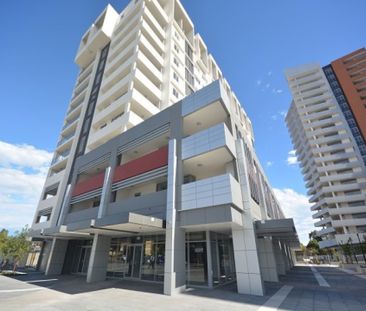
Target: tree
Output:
[(314, 236), (4, 248), (14, 247), (313, 247)]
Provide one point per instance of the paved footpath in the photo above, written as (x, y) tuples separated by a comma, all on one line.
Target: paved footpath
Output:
[(345, 291), (303, 288)]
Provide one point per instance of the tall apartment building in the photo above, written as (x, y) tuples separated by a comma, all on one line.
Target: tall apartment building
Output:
[(155, 176), (327, 123)]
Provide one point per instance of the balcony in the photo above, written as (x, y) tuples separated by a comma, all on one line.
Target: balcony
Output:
[(65, 139), (141, 205), (328, 243), (143, 104), (347, 210), (323, 222), (119, 74), (112, 129), (151, 51), (90, 184), (82, 215), (149, 68), (141, 165), (154, 24), (320, 213), (153, 38), (325, 231), (76, 103), (106, 113), (70, 123), (60, 157), (114, 91), (47, 203), (208, 140), (150, 87), (349, 222), (117, 59), (98, 36), (217, 190)]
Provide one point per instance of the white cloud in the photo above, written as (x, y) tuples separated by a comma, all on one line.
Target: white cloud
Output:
[(23, 169), (23, 155), (291, 158), (279, 91), (269, 163), (278, 115), (296, 205), (259, 82), (269, 73), (268, 85)]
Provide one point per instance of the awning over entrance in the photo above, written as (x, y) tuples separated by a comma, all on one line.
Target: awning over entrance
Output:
[(123, 223), (280, 229), (57, 232)]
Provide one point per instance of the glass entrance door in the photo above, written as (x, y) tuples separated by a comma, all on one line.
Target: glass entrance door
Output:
[(84, 260), (134, 253)]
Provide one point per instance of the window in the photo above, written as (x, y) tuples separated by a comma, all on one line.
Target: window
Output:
[(176, 35), (137, 194), (113, 196), (117, 116), (175, 76), (175, 61), (175, 92), (188, 178), (176, 48), (161, 186)]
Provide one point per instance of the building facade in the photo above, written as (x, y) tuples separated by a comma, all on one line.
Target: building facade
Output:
[(327, 124), (155, 176)]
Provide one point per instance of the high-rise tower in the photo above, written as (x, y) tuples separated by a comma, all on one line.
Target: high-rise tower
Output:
[(327, 123), (155, 176)]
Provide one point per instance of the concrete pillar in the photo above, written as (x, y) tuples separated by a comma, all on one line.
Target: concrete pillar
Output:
[(280, 260), (56, 257), (104, 198), (97, 269), (267, 260), (248, 274), (285, 256), (289, 254), (174, 268), (107, 184), (209, 260)]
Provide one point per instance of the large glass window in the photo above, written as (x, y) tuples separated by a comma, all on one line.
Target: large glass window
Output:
[(137, 257)]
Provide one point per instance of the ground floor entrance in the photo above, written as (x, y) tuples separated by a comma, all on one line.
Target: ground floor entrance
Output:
[(209, 258), (140, 257)]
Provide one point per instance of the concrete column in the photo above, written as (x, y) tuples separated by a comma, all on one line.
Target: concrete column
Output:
[(285, 256), (56, 258), (104, 198), (64, 206), (267, 260), (174, 268), (248, 274), (289, 255), (280, 260), (97, 269), (107, 185), (209, 260)]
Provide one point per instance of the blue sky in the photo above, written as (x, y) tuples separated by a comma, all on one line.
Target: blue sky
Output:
[(252, 41)]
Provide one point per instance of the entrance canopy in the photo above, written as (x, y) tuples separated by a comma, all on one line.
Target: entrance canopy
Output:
[(280, 229), (123, 223)]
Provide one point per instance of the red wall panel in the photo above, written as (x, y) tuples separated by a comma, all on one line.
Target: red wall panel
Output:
[(88, 185), (146, 163)]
